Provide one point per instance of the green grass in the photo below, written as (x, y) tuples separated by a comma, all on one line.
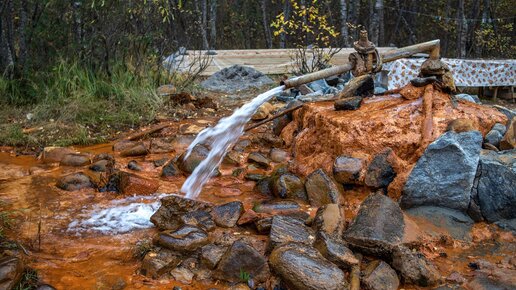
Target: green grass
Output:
[(29, 280), (71, 104)]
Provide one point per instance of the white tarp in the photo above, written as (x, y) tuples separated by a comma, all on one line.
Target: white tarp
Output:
[(466, 72)]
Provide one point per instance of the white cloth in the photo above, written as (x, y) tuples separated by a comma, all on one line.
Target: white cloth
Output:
[(466, 72)]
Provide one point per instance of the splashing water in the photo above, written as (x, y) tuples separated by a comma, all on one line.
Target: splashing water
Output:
[(220, 138)]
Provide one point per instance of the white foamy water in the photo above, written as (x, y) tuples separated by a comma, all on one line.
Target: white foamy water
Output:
[(220, 138), (119, 216)]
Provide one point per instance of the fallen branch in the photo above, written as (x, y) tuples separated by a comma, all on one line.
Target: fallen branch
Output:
[(273, 117), (149, 131)]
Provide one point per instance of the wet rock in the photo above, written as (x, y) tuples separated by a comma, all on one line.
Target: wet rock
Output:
[(158, 145), (241, 257), (493, 137), (241, 145), (255, 176), (173, 207), (351, 103), (55, 154), (289, 186), (103, 156), (236, 78), (133, 165), (302, 267), (259, 159), (211, 255), (75, 159), (508, 225), (233, 158), (74, 182), (509, 139), (186, 238), (199, 153), (262, 112), (160, 162), (335, 251), (247, 217), (112, 282), (11, 272), (346, 170), (132, 184), (227, 215), (138, 150), (279, 124), (183, 275), (380, 172), (495, 192), (264, 186), (456, 278), (378, 226), (380, 276), (468, 98), (170, 170), (263, 226), (157, 263), (101, 165), (277, 207), (278, 155), (414, 268), (321, 189), (329, 220), (285, 229), (199, 218), (444, 175), (454, 223)]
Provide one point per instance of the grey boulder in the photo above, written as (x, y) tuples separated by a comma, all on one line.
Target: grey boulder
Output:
[(444, 175)]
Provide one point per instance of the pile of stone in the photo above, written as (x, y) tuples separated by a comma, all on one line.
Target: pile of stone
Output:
[(236, 78)]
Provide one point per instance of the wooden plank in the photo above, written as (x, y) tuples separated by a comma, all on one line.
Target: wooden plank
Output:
[(268, 61)]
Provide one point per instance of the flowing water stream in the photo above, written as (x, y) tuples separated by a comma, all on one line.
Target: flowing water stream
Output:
[(220, 139)]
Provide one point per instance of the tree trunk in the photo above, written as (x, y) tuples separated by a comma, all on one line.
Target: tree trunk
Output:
[(486, 11), (266, 25), (344, 30), (355, 15), (472, 27), (381, 30), (286, 13), (204, 16), (446, 41), (213, 23), (461, 31), (77, 22), (22, 38), (373, 27)]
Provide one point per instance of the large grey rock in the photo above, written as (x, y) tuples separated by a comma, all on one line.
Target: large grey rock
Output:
[(285, 229), (329, 220), (452, 222), (289, 186), (198, 218), (173, 207), (321, 189), (378, 275), (211, 255), (346, 170), (414, 268), (241, 257), (378, 226), (198, 154), (335, 251), (444, 175), (186, 238), (74, 181), (493, 137), (495, 192), (303, 267), (380, 172), (157, 263), (236, 78), (469, 98), (226, 215)]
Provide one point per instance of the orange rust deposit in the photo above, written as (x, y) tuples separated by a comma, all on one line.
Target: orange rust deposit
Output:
[(316, 136), (381, 122)]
